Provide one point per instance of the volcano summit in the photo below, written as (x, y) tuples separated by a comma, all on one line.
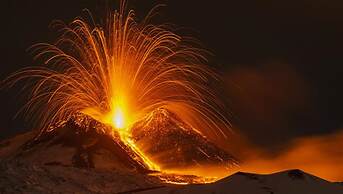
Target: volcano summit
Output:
[(83, 143)]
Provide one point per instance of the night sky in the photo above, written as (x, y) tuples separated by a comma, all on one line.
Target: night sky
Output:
[(281, 61)]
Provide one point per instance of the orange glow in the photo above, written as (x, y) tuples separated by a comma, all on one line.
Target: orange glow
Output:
[(321, 156)]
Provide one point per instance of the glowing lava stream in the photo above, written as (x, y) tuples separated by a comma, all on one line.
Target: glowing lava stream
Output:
[(126, 138), (152, 166), (118, 118)]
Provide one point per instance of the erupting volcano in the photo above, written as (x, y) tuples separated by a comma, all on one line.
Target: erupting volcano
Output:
[(144, 86), (124, 104)]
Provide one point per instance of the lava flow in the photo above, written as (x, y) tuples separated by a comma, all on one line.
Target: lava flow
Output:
[(120, 74)]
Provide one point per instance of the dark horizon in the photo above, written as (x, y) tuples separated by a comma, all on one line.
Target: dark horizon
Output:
[(280, 61)]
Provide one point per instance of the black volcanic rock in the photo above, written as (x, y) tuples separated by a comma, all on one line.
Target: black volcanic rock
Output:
[(172, 143), (296, 174)]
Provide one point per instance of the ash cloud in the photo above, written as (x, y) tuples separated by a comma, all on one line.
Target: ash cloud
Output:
[(271, 103)]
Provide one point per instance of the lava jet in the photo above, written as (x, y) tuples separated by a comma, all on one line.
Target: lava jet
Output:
[(135, 90)]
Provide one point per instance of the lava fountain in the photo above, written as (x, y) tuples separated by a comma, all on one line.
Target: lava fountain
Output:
[(119, 73)]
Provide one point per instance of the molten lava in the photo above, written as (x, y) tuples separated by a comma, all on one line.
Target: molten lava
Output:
[(118, 118), (119, 73)]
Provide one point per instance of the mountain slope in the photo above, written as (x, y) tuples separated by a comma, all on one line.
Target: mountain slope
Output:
[(174, 144), (287, 182), (80, 142), (77, 157)]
